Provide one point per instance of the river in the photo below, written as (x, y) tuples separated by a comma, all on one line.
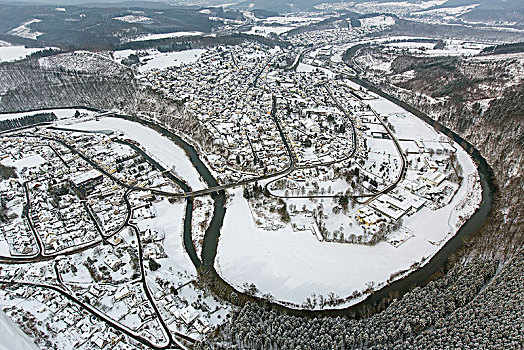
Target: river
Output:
[(418, 277)]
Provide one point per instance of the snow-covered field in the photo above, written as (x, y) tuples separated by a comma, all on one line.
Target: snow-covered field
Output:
[(24, 30), (292, 266), (12, 336), (133, 19), (450, 11), (61, 113), (307, 68), (266, 30), (15, 53), (26, 162), (170, 219), (452, 47), (171, 59), (165, 36), (159, 147), (377, 21), (292, 19)]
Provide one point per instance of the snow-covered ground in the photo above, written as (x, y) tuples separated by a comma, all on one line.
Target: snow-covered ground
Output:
[(451, 11), (61, 113), (266, 30), (170, 219), (156, 145), (12, 337), (377, 21), (171, 59), (31, 161), (15, 53), (165, 36), (307, 68), (292, 266), (452, 47), (24, 30), (83, 61), (133, 19)]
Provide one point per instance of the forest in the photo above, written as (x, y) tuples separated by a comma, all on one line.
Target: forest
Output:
[(448, 312), (97, 28), (10, 124)]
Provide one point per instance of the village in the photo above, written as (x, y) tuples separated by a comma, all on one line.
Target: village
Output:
[(308, 160), (83, 201), (343, 153)]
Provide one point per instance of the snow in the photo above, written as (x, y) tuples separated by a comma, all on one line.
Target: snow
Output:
[(307, 68), (159, 147), (133, 19), (412, 45), (12, 336), (4, 247), (377, 21), (455, 48), (83, 61), (121, 54), (171, 59), (31, 161), (423, 4), (61, 113), (165, 36), (385, 146), (408, 126), (24, 31), (263, 30), (459, 10), (291, 19), (291, 266), (15, 53)]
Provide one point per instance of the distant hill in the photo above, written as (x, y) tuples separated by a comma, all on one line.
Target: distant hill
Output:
[(95, 27)]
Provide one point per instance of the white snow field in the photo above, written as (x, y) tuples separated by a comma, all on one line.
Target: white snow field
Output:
[(12, 337), (307, 68), (171, 59), (15, 53), (266, 30), (32, 161), (291, 266), (159, 147), (170, 219), (60, 113), (165, 36), (24, 30)]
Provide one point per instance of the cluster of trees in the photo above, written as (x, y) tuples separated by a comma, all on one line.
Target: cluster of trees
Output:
[(282, 211), (504, 49), (7, 172), (419, 317), (153, 265), (28, 120), (255, 191), (28, 86)]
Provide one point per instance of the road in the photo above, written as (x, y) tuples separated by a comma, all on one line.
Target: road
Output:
[(403, 160), (92, 310), (63, 290)]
